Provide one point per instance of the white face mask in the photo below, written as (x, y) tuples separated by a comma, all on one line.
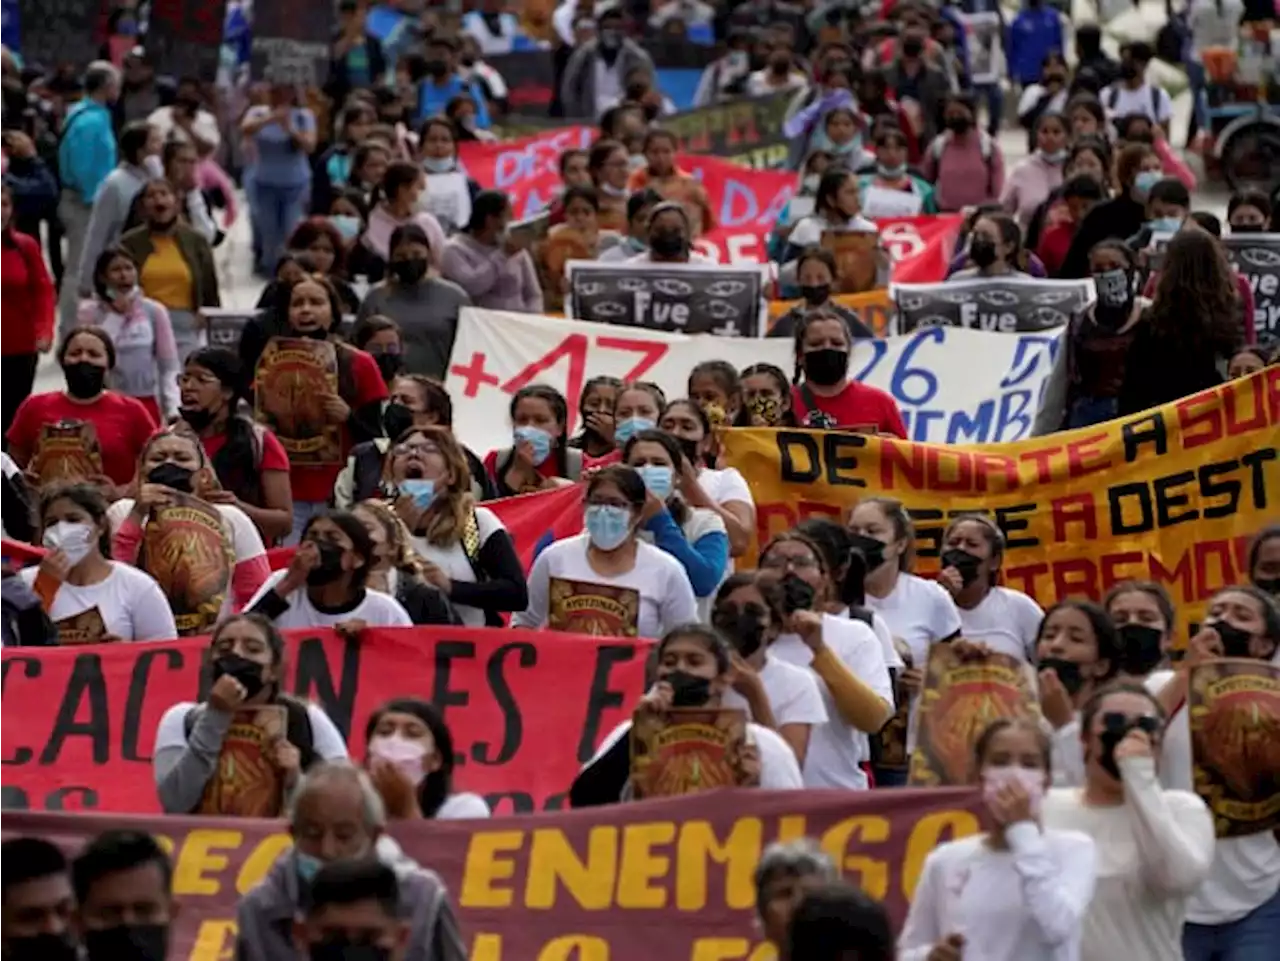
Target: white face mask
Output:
[(74, 540), (406, 755)]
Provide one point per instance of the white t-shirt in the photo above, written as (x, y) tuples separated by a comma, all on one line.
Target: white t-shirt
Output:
[(462, 806), (779, 770), (1121, 102), (608, 80), (892, 659), (130, 602), (326, 739), (918, 611), (1007, 621), (453, 560), (1153, 851), (666, 599), (205, 126), (1021, 904), (375, 609), (725, 486), (808, 232), (837, 748), (794, 694)]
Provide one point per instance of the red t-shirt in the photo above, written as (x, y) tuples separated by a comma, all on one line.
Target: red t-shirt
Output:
[(858, 405), (313, 483), (123, 424), (273, 455)]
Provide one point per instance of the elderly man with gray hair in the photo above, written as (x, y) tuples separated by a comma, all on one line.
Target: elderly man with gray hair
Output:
[(337, 814), (787, 870)]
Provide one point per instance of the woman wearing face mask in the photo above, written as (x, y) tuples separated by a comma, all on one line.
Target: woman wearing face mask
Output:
[(892, 173), (1154, 846), (379, 337), (660, 173), (595, 406), (122, 424), (750, 610), (713, 385), (248, 669), (965, 165), (995, 249), (1017, 892), (1137, 171), (173, 463), (1032, 180), (766, 398), (489, 263), (398, 571), (146, 354), (694, 669), (540, 455), (611, 553), (250, 464), (837, 209), (800, 206), (466, 551), (1144, 616), (609, 169), (90, 598), (425, 306), (816, 277), (324, 244), (175, 265), (409, 755), (449, 193), (1054, 222), (1264, 561), (395, 204), (669, 238), (824, 394), (1005, 620), (638, 407), (1249, 212), (324, 584)]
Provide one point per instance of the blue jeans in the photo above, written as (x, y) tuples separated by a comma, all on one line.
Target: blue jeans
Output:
[(303, 511), (993, 95), (1199, 98), (1252, 938), (280, 210)]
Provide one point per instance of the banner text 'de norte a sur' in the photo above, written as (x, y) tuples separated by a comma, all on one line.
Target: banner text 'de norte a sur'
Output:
[(669, 879), (1171, 495), (526, 708)]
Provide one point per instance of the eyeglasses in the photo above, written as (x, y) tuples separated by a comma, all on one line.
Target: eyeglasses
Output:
[(1118, 722), (197, 380), (776, 562), (404, 450)]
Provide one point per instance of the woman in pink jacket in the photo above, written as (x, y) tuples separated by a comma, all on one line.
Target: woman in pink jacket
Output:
[(1032, 180)]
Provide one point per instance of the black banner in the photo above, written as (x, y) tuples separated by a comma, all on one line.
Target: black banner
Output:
[(1257, 257), (185, 37), (291, 40), (684, 298), (1007, 305), (748, 132), (60, 31)]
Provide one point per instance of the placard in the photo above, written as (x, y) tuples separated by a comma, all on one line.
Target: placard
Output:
[(246, 782), (185, 36), (66, 451), (293, 378), (1257, 257), (883, 202), (984, 41), (598, 610), (291, 41), (690, 298), (686, 751), (186, 549), (1005, 304)]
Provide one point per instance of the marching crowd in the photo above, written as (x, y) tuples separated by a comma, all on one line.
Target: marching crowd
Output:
[(371, 237)]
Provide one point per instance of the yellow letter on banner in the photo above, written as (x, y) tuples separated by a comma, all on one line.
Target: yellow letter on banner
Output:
[(739, 854), (927, 834), (197, 857), (553, 861), (485, 866)]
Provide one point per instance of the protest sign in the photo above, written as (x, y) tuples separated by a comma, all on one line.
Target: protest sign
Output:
[(526, 170), (291, 41), (669, 878), (747, 131), (886, 202), (1172, 495), (874, 308), (80, 723), (951, 385), (54, 32), (292, 380), (1257, 257), (692, 298), (1005, 304), (448, 199), (185, 36), (983, 34)]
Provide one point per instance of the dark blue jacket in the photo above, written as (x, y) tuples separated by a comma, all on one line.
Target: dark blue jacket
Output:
[(1035, 32)]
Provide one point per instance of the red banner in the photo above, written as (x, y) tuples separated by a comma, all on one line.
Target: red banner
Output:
[(631, 882), (526, 708)]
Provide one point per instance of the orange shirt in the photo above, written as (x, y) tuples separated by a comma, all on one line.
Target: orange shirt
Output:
[(685, 190), (166, 277)]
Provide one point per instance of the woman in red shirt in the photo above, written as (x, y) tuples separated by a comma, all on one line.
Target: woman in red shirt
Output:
[(28, 306), (827, 397), (540, 456), (122, 424), (313, 312)]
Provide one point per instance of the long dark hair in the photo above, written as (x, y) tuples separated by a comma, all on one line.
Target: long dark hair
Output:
[(1196, 303), (438, 785), (237, 462), (559, 410)]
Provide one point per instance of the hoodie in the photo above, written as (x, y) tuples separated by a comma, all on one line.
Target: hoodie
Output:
[(266, 914)]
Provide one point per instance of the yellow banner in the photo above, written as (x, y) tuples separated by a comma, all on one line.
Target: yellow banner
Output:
[(1171, 495)]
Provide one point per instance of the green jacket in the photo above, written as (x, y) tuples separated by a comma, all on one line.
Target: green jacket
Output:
[(195, 251)]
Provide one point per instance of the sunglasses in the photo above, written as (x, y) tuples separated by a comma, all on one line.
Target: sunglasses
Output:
[(1117, 722)]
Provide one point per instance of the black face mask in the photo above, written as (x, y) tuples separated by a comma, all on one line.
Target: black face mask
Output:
[(815, 294), (966, 564), (690, 450), (959, 124), (171, 475), (1068, 673), (1268, 585), (1115, 727), (128, 942), (1128, 71), (396, 419), (1139, 648), (197, 418), (743, 626), (409, 271), (912, 47), (687, 690), (340, 949), (42, 947), (797, 593), (84, 380), (825, 367), (872, 550), (389, 364), (330, 567), (1235, 642), (667, 243), (437, 68), (247, 672), (982, 251)]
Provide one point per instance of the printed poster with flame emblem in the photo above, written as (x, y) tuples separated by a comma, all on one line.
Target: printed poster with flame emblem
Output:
[(66, 451), (891, 741), (687, 750), (187, 550), (601, 610), (246, 783), (87, 627), (1234, 709), (291, 382), (961, 696)]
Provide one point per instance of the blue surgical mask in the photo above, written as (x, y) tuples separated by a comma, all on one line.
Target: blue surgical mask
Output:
[(115, 293), (607, 526), (1146, 180), (1054, 157), (658, 479), (538, 439), (348, 225), (308, 866), (892, 173), (628, 428), (438, 165), (1165, 225), (421, 490)]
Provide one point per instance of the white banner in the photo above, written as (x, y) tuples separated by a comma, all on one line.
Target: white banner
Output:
[(953, 385)]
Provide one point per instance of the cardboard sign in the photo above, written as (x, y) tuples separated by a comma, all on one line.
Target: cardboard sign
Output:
[(246, 782), (293, 378), (66, 451), (187, 550), (687, 750)]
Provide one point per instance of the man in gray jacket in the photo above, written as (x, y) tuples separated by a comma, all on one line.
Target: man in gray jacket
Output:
[(595, 78), (338, 815)]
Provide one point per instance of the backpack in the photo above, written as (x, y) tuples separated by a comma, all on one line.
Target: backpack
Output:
[(987, 146)]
